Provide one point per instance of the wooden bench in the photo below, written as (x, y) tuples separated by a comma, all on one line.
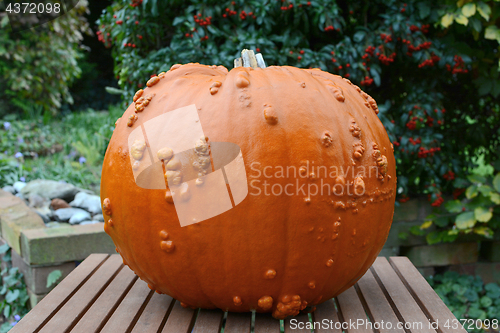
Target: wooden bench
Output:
[(103, 295)]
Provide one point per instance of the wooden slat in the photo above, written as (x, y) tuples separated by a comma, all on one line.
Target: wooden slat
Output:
[(156, 310), (352, 310), (208, 321), (326, 311), (180, 320), (403, 303), (238, 322), (265, 323), (292, 324), (377, 305), (107, 302), (129, 309), (426, 297), (76, 306), (51, 303)]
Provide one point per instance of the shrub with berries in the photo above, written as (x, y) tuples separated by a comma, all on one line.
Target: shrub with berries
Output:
[(426, 79)]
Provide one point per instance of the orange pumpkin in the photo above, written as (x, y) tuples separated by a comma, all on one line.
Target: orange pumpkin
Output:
[(278, 247)]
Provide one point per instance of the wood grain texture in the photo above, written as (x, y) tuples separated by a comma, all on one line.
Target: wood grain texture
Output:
[(326, 311), (129, 309), (105, 305), (238, 322), (56, 299), (426, 297), (265, 323), (377, 305), (352, 310), (208, 321), (75, 308), (181, 319), (402, 301)]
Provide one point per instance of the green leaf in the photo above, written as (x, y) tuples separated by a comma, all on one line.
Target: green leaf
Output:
[(12, 295), (482, 214), (469, 9), (53, 277), (476, 179), (486, 301), (447, 20), (485, 190), (495, 198), (492, 32), (465, 220), (453, 206), (423, 9), (484, 231), (358, 36), (434, 237), (496, 182), (471, 192), (484, 10), (6, 311), (461, 19), (441, 221), (4, 248)]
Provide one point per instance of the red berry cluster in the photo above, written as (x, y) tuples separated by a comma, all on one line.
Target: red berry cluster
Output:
[(404, 8), (135, 3), (458, 67), (429, 62), (414, 28), (290, 6), (458, 192), (415, 142), (450, 175), (425, 28), (423, 153), (439, 201), (331, 28), (412, 124), (129, 45), (367, 81), (386, 38), (387, 60), (404, 198), (119, 22), (202, 21)]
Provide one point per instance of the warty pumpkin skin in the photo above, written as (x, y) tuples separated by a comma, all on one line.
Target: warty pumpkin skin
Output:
[(274, 253)]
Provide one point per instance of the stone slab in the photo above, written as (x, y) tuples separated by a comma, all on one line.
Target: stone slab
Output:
[(35, 298), (404, 227), (488, 271), (16, 216), (442, 254), (71, 243), (35, 276)]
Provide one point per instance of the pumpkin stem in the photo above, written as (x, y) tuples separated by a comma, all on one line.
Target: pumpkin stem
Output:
[(250, 59)]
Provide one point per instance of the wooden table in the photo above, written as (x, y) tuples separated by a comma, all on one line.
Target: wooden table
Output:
[(103, 295)]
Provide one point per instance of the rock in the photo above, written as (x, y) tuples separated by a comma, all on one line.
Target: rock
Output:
[(44, 217), (53, 224), (18, 186), (98, 217), (58, 204), (89, 222), (49, 189), (64, 214), (79, 217), (91, 203), (36, 200), (9, 189)]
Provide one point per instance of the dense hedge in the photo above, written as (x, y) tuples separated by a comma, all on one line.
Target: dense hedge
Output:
[(37, 66), (435, 87)]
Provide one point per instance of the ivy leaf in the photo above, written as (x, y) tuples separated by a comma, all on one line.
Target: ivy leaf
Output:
[(492, 290), (482, 214), (434, 237), (53, 277), (12, 295), (469, 9), (461, 19), (465, 220), (484, 10), (447, 20), (486, 301), (453, 206), (496, 182), (358, 36)]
